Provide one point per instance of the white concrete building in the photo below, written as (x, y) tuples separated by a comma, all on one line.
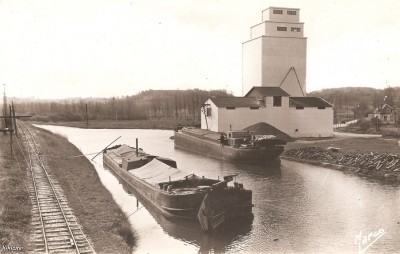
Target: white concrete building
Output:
[(275, 55), (274, 83), (296, 116)]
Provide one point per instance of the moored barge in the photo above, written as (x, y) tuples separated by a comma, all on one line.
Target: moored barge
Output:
[(177, 194), (239, 146)]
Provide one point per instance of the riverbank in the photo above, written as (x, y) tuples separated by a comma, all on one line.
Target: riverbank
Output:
[(368, 156), (161, 124), (15, 206), (102, 219)]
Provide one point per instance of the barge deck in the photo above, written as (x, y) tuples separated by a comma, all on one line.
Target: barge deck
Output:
[(238, 146), (177, 194)]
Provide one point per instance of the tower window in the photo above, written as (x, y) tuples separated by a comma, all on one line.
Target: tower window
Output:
[(281, 28), (292, 12), (230, 108), (277, 101), (295, 29), (277, 12)]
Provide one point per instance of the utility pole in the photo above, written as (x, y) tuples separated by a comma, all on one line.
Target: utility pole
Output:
[(87, 117), (13, 118), (11, 132), (5, 106)]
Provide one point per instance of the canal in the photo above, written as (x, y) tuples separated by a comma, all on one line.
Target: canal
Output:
[(298, 208)]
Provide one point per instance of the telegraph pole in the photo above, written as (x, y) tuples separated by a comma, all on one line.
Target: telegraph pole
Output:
[(87, 118), (13, 118), (10, 123), (5, 106), (11, 132)]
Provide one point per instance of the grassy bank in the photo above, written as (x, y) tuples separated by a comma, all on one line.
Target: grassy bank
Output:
[(15, 206), (163, 124), (101, 218), (388, 130)]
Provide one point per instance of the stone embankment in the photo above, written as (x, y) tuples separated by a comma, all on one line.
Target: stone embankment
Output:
[(384, 166)]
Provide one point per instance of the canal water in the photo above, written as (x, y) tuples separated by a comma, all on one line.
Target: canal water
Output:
[(298, 208)]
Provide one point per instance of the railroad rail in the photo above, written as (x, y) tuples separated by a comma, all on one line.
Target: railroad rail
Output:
[(55, 228)]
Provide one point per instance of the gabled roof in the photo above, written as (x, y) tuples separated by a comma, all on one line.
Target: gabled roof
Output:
[(235, 102), (386, 109), (308, 102), (263, 91)]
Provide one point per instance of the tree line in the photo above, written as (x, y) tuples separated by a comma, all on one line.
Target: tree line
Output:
[(356, 102), (150, 104), (349, 102)]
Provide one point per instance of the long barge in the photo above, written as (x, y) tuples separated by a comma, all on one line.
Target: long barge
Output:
[(177, 194), (239, 146)]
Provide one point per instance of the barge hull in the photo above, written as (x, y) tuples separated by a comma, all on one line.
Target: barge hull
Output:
[(216, 150), (183, 197), (146, 191)]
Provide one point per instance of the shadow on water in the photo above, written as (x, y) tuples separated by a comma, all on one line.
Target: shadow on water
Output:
[(269, 169), (189, 230)]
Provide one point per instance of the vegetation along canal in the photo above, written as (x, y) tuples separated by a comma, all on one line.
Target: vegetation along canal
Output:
[(298, 207)]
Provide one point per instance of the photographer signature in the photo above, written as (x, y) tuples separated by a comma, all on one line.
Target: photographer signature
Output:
[(366, 241)]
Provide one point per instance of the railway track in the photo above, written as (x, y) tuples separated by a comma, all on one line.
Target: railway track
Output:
[(55, 228)]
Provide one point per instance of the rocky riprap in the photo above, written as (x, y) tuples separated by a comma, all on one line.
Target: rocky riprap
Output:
[(365, 161)]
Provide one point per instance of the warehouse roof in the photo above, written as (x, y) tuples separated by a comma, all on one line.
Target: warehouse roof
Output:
[(235, 102), (308, 102), (262, 91)]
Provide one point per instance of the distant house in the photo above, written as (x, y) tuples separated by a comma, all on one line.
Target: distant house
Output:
[(386, 114), (296, 116)]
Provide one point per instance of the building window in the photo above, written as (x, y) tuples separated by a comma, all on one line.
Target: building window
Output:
[(230, 108), (208, 111), (321, 107), (292, 12), (277, 12), (253, 107), (281, 28), (277, 101), (299, 107), (296, 29)]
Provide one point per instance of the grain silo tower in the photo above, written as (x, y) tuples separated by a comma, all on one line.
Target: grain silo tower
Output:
[(275, 55)]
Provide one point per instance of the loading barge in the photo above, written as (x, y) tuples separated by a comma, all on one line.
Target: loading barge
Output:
[(177, 194), (239, 146)]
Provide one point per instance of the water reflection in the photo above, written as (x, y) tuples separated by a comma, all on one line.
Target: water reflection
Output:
[(190, 231)]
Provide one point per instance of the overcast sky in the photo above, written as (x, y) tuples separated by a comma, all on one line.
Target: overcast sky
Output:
[(99, 48)]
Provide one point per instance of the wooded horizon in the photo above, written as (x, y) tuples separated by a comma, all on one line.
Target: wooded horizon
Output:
[(152, 104)]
